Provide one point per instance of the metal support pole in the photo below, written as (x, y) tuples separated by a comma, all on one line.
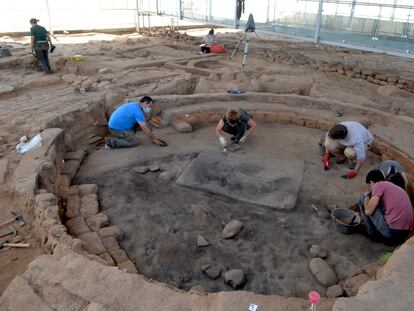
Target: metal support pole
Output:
[(180, 9), (137, 16), (318, 22), (49, 17), (210, 10), (268, 9), (236, 23)]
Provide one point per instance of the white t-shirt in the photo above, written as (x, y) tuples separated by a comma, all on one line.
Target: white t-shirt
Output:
[(209, 39), (358, 136)]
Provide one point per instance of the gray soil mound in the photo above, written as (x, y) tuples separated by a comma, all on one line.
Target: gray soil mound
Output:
[(249, 179)]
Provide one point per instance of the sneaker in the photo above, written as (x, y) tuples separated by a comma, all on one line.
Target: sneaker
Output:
[(340, 161), (351, 165), (107, 147)]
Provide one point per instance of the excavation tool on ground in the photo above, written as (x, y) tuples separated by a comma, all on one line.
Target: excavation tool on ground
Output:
[(12, 231), (17, 217), (250, 28), (17, 245), (231, 147)]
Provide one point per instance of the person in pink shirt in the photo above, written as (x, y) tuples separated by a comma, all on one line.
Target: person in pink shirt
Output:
[(386, 210)]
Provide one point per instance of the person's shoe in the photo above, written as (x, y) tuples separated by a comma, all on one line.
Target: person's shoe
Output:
[(340, 161), (107, 147), (351, 165)]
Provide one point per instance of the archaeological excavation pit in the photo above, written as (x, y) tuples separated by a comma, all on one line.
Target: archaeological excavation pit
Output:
[(194, 190)]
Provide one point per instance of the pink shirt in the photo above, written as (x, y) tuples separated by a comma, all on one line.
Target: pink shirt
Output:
[(396, 204)]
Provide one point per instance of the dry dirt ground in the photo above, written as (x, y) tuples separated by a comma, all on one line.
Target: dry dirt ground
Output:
[(125, 67)]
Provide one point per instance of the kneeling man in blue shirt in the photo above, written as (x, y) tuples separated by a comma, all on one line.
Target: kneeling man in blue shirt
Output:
[(124, 122)]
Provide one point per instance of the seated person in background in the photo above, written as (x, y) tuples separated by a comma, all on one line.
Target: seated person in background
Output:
[(236, 122), (387, 210), (394, 172), (347, 141), (124, 122), (208, 40)]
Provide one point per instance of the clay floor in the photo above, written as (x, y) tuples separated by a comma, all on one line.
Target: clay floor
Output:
[(161, 219)]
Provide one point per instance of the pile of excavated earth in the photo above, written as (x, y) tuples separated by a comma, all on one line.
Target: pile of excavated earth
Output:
[(188, 227)]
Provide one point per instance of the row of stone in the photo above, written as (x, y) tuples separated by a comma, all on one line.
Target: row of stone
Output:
[(233, 277), (85, 221), (327, 277), (352, 72)]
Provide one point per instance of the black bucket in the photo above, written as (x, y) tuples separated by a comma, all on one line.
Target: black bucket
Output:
[(345, 220)]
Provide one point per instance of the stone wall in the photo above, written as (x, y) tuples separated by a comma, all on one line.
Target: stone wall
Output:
[(43, 181)]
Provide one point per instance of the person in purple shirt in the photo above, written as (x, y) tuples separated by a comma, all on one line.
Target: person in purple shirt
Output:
[(125, 120), (386, 210)]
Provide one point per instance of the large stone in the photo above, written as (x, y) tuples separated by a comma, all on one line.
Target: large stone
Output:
[(77, 155), (70, 168), (5, 88), (88, 189), (107, 258), (334, 291), (89, 205), (118, 255), (110, 243), (93, 244), (72, 207), (128, 266), (77, 226), (316, 251), (232, 229), (183, 127), (212, 271), (112, 231), (235, 278), (251, 179), (97, 221), (202, 241), (351, 285), (141, 169), (323, 272)]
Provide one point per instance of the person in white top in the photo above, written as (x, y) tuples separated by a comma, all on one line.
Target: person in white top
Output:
[(208, 40), (347, 141)]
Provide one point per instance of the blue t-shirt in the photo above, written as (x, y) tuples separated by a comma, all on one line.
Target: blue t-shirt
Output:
[(126, 116)]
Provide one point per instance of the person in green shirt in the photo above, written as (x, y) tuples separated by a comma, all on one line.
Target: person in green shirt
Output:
[(40, 40)]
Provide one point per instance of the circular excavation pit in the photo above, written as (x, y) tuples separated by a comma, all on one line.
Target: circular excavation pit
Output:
[(173, 218)]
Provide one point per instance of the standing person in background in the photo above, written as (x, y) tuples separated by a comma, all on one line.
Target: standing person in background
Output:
[(208, 40), (40, 41)]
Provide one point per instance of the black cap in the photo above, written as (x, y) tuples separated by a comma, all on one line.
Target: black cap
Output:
[(33, 20)]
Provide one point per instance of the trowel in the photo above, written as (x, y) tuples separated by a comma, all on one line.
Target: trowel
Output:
[(231, 147)]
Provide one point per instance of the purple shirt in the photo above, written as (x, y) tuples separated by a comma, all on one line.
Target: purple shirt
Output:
[(396, 204)]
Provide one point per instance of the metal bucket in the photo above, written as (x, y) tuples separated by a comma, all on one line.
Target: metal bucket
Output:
[(345, 220)]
